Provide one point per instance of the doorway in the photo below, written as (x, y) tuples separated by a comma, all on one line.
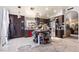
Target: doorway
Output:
[(72, 24)]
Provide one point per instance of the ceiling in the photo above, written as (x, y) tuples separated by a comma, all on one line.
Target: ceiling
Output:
[(32, 11)]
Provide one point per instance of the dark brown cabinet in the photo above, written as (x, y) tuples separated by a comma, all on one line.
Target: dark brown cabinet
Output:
[(59, 26), (16, 26)]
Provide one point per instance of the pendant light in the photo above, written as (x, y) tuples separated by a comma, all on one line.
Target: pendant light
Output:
[(19, 11), (37, 15)]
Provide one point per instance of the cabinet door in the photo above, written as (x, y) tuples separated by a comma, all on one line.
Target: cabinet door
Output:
[(20, 26), (16, 26), (12, 26), (59, 32)]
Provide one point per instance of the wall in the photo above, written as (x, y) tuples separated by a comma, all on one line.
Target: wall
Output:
[(52, 24)]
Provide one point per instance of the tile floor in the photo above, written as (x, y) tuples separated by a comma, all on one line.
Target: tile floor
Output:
[(57, 45)]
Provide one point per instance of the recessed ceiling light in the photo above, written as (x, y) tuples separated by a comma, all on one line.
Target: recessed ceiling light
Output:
[(19, 7), (37, 14), (32, 8)]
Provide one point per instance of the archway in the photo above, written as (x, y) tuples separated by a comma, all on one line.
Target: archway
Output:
[(71, 22)]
